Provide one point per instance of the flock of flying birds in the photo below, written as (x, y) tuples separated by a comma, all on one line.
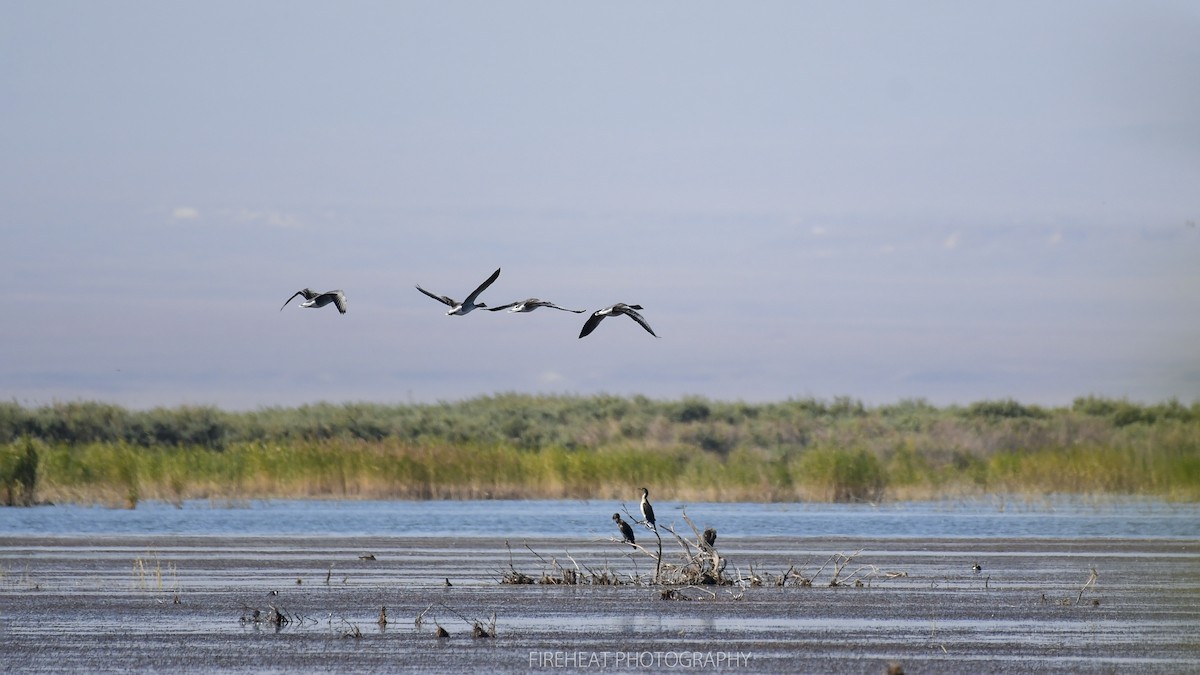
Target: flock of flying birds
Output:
[(313, 300)]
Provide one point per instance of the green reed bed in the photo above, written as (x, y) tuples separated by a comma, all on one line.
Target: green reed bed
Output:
[(513, 446)]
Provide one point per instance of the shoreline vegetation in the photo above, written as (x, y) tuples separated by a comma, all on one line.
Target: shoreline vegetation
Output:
[(514, 446)]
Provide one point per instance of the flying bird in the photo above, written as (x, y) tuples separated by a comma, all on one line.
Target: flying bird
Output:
[(531, 304), (313, 299), (626, 530), (619, 308), (460, 308), (647, 509)]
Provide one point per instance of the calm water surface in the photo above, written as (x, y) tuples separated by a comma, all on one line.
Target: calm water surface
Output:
[(1007, 518)]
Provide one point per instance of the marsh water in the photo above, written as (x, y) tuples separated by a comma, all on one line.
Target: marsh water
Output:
[(1063, 585), (514, 519)]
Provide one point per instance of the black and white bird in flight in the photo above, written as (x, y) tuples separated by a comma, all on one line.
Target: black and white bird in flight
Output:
[(615, 310), (314, 299), (530, 304), (460, 308)]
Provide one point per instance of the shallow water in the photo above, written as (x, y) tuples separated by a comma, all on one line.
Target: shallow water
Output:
[(161, 588), (1057, 517)]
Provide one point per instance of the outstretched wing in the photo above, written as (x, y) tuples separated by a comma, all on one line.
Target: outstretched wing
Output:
[(308, 295), (551, 304), (593, 321), (440, 298), (482, 287), (339, 299), (502, 307), (631, 313)]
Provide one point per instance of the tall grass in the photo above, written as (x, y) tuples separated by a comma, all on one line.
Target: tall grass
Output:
[(512, 446)]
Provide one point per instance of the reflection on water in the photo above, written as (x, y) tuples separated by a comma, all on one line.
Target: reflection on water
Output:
[(1059, 517)]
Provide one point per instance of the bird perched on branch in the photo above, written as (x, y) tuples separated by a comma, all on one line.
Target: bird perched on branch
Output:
[(460, 308), (647, 509), (614, 310), (626, 530), (314, 299)]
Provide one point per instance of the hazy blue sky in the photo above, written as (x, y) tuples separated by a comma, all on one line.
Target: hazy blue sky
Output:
[(885, 200)]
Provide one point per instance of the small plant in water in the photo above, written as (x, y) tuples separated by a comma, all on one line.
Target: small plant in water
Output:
[(352, 630)]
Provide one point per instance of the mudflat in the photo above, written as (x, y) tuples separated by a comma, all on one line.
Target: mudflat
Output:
[(305, 604)]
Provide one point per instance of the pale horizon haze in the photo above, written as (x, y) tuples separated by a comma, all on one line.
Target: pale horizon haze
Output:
[(928, 200)]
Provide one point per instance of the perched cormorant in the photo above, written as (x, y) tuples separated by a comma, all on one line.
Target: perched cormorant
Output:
[(626, 530), (460, 308), (710, 537), (647, 509), (314, 299), (619, 308)]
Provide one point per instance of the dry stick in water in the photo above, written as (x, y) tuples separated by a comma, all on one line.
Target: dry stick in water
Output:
[(476, 624), (840, 565), (513, 576), (873, 571), (351, 630), (702, 590), (842, 559), (639, 547), (565, 575), (658, 558), (578, 569), (421, 617), (539, 557), (692, 558), (1092, 579)]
